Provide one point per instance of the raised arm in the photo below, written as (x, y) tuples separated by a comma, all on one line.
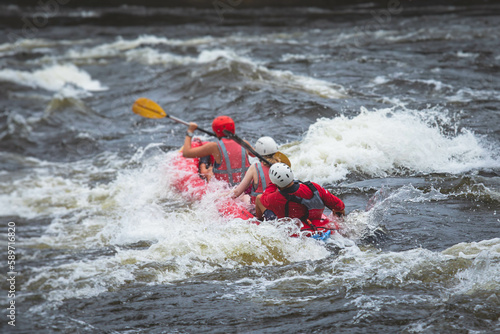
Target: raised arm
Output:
[(200, 151)]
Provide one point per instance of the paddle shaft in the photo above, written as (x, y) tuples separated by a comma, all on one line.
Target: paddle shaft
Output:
[(179, 120), (187, 123)]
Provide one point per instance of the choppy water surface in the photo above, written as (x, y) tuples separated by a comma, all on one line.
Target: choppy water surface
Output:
[(397, 115)]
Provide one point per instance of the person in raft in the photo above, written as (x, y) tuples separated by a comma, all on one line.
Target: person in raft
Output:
[(259, 171), (291, 198), (230, 160)]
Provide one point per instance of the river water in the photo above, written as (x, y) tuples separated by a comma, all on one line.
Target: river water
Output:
[(396, 112)]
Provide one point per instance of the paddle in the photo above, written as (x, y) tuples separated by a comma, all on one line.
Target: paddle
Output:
[(282, 158), (150, 109)]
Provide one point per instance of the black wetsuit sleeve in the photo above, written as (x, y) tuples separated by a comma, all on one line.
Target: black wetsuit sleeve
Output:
[(205, 160)]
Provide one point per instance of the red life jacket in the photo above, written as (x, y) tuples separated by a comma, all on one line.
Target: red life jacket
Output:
[(263, 180), (234, 162), (315, 205)]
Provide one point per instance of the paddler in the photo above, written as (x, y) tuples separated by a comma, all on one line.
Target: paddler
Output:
[(257, 176), (287, 197), (230, 159)]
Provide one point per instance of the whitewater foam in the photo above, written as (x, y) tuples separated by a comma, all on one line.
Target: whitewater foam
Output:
[(282, 79), (249, 69), (179, 238), (151, 56), (382, 143), (120, 45), (53, 78)]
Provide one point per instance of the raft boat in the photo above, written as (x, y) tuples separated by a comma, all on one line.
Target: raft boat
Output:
[(189, 183)]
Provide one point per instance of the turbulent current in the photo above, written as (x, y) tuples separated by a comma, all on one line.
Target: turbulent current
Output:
[(396, 111)]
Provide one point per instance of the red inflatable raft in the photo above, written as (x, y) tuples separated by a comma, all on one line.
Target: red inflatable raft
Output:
[(189, 183)]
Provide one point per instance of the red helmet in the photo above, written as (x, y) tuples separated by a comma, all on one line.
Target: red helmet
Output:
[(222, 123)]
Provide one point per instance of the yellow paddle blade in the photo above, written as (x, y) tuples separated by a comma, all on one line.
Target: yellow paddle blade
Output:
[(147, 108), (281, 157)]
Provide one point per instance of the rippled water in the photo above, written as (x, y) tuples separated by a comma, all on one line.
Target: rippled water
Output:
[(396, 114)]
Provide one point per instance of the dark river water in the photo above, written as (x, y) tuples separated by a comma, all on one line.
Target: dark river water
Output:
[(395, 110)]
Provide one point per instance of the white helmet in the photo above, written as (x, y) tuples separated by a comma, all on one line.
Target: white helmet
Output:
[(266, 146), (280, 174)]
